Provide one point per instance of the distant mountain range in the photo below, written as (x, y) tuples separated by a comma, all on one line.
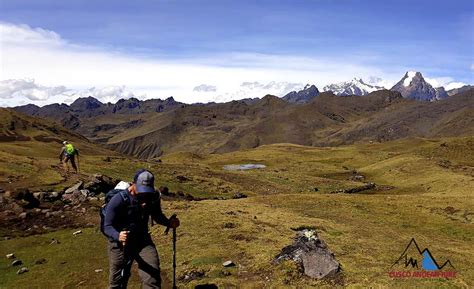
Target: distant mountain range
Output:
[(412, 85), (147, 129)]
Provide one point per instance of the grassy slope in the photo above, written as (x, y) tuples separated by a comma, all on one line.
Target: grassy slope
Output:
[(367, 232)]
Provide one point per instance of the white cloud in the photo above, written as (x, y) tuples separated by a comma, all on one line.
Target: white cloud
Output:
[(453, 85), (472, 66), (18, 34), (378, 81), (205, 88), (447, 82), (27, 88), (257, 89), (55, 63), (105, 94), (22, 91)]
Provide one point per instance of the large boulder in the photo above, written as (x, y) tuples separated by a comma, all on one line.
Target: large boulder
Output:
[(99, 184), (76, 187), (311, 254)]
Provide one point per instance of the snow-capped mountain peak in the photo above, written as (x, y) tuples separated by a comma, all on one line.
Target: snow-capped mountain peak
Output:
[(354, 87), (409, 77), (307, 86), (414, 86)]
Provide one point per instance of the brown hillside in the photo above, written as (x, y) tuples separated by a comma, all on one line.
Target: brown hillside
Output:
[(326, 120)]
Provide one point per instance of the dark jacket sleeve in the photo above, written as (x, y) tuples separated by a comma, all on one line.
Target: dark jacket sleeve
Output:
[(111, 213), (157, 213)]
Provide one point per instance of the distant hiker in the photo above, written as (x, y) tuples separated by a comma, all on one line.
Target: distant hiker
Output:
[(125, 223), (68, 153)]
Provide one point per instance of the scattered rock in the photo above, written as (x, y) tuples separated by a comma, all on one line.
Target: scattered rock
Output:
[(53, 195), (74, 188), (77, 232), (368, 186), (22, 270), (311, 254), (74, 198), (357, 178), (54, 241), (182, 179), (98, 270), (225, 273), (239, 195), (39, 195), (193, 275), (16, 262), (107, 159), (40, 261), (315, 189), (229, 225), (10, 256), (85, 192), (23, 215), (228, 264)]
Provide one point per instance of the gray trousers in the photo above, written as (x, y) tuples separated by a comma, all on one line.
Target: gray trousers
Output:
[(121, 260)]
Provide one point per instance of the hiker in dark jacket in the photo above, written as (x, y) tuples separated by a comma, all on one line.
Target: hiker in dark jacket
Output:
[(68, 153), (126, 226)]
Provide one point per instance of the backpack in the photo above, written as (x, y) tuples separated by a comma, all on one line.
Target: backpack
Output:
[(69, 149), (108, 197)]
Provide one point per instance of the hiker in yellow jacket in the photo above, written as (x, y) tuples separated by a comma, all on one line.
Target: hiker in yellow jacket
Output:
[(68, 153)]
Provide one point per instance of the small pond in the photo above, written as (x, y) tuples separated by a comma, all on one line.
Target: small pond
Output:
[(244, 167)]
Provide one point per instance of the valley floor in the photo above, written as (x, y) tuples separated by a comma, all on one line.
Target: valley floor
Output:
[(423, 190)]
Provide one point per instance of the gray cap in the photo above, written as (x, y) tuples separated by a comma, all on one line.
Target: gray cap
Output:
[(144, 182)]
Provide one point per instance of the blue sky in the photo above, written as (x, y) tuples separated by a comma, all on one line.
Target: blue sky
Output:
[(360, 38)]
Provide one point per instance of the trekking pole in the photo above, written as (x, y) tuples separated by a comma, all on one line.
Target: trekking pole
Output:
[(174, 251), (78, 165), (174, 258), (125, 272)]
